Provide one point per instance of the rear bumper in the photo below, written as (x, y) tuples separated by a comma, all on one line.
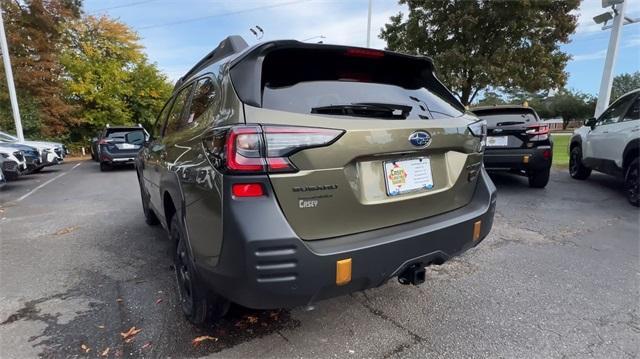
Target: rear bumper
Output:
[(263, 264), (520, 159), (117, 158)]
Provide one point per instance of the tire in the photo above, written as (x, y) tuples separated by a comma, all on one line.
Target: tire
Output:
[(150, 217), (539, 179), (104, 166), (577, 169), (198, 305), (632, 182)]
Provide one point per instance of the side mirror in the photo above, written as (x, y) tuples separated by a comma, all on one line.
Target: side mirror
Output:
[(590, 122)]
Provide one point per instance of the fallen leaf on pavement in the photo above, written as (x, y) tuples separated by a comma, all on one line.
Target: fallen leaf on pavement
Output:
[(252, 319), (159, 301), (146, 345), (85, 348), (119, 300), (105, 352), (101, 326), (199, 340), (129, 334), (66, 230)]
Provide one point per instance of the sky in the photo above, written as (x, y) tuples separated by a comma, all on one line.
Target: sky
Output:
[(178, 33)]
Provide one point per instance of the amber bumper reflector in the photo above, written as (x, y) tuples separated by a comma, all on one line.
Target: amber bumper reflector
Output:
[(477, 226), (343, 271), (525, 159)]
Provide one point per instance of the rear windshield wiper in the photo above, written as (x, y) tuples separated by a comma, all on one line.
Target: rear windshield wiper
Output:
[(509, 123), (381, 110)]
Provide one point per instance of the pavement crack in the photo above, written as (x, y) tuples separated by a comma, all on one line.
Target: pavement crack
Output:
[(283, 336), (415, 338)]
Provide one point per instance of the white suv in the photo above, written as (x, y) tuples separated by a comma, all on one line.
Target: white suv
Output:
[(610, 144)]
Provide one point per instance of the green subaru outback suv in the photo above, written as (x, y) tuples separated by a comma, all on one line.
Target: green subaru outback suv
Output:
[(287, 173)]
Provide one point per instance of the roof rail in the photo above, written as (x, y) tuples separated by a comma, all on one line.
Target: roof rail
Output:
[(231, 45)]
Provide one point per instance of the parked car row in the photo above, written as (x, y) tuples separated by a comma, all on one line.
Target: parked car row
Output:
[(18, 158), (117, 145), (519, 142)]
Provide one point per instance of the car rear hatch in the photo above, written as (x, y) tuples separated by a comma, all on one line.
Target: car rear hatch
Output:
[(511, 127), (358, 139), (123, 142)]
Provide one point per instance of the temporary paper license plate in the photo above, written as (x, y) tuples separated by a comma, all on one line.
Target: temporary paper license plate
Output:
[(408, 175), (496, 141)]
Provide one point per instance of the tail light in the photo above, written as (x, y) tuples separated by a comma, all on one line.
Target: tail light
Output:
[(479, 129), (366, 53), (266, 149), (247, 190), (538, 132)]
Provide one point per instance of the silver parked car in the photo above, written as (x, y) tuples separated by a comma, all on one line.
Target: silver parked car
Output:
[(52, 152)]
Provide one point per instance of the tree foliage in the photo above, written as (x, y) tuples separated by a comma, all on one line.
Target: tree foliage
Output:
[(476, 44), (108, 78), (34, 31), (570, 105), (74, 73), (624, 83)]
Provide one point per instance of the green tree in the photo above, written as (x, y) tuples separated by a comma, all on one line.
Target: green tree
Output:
[(108, 78), (476, 44), (34, 33), (571, 105), (491, 98), (624, 83)]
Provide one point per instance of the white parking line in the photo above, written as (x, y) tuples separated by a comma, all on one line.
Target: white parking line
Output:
[(46, 183)]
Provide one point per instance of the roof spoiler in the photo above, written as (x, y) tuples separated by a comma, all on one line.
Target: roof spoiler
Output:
[(231, 45)]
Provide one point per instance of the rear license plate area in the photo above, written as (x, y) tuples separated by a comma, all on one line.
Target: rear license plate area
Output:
[(497, 141), (407, 176)]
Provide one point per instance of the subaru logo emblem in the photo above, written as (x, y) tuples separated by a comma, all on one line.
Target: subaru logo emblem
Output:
[(420, 139)]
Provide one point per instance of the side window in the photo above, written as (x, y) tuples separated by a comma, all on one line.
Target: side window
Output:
[(175, 121), (634, 111), (615, 112), (156, 132), (204, 96)]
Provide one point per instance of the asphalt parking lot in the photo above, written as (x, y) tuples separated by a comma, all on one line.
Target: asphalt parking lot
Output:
[(558, 277)]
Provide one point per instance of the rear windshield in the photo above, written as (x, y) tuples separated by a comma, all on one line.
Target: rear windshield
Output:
[(507, 118), (132, 136), (306, 81)]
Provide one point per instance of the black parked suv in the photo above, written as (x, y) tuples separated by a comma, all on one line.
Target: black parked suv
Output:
[(517, 140), (287, 173), (119, 145)]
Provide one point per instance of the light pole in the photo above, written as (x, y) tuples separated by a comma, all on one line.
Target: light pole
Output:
[(619, 20), (10, 84), (369, 26)]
